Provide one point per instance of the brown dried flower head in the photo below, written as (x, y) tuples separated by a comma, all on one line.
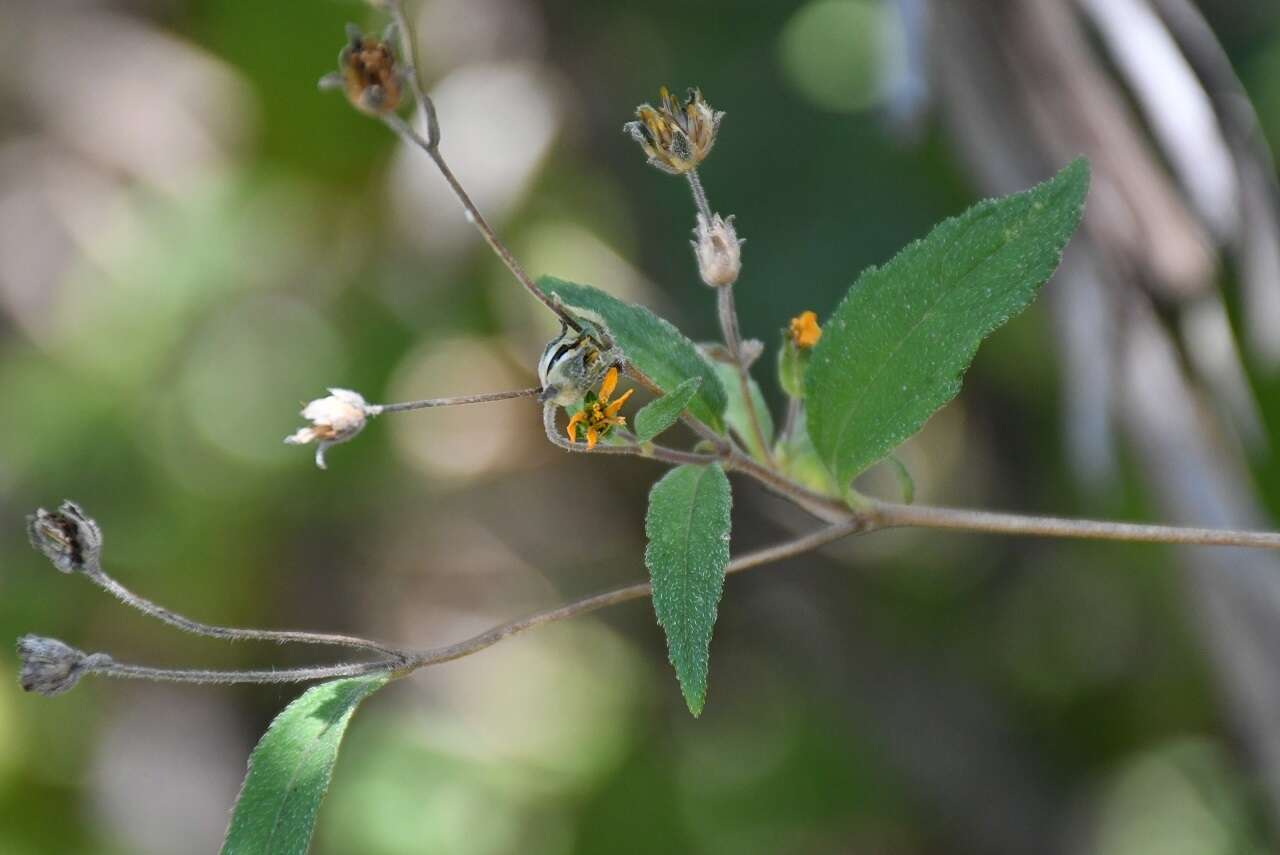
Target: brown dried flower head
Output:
[(68, 538), (677, 137), (370, 75)]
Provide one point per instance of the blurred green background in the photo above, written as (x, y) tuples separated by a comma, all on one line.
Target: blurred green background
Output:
[(193, 241)]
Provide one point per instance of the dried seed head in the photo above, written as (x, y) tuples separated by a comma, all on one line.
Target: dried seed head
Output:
[(368, 73), (334, 419), (50, 667), (676, 137), (68, 538), (718, 250)]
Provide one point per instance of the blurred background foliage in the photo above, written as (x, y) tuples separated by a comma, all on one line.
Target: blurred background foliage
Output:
[(193, 240)]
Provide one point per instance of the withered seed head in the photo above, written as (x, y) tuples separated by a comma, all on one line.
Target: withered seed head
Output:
[(50, 667), (68, 538), (676, 137), (369, 73)]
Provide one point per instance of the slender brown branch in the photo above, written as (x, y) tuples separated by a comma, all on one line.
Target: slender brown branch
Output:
[(408, 134), (434, 656), (891, 515), (586, 605), (408, 61), (404, 406)]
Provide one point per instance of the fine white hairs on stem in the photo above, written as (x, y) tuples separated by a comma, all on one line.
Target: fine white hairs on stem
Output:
[(334, 419), (70, 540), (50, 667)]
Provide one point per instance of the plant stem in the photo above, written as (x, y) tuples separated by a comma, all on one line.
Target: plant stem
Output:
[(408, 134), (186, 624), (728, 313), (405, 406), (407, 61), (882, 515), (199, 675), (593, 603), (699, 195)]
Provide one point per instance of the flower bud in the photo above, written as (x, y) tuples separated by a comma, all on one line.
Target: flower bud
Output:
[(50, 667), (798, 340), (68, 538), (718, 250), (334, 419), (804, 331)]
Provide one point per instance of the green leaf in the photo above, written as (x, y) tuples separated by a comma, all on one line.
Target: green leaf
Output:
[(650, 343), (660, 414), (736, 414), (896, 347), (290, 770), (688, 530)]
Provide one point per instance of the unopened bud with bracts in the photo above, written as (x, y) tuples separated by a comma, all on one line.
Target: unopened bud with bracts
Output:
[(68, 538), (368, 72), (50, 667), (334, 419), (718, 250)]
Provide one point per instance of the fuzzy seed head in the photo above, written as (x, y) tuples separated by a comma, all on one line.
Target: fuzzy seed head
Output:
[(70, 540), (50, 667)]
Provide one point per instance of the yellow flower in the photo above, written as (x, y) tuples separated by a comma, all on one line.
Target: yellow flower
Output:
[(804, 330), (598, 415), (676, 137)]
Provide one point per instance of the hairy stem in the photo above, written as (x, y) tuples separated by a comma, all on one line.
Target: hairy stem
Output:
[(186, 624), (728, 313), (699, 195), (408, 134), (883, 515), (586, 605), (407, 54), (212, 677), (404, 406)]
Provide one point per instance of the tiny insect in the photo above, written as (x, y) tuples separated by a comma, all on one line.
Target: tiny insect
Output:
[(572, 365)]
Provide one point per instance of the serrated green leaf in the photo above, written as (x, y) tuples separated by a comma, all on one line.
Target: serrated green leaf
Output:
[(652, 344), (896, 347), (290, 770), (688, 530), (661, 413), (736, 415)]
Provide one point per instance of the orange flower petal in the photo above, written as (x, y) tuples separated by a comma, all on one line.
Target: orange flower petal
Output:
[(574, 421), (592, 438), (612, 409), (609, 383)]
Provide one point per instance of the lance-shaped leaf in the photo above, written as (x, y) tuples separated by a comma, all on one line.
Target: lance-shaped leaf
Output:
[(896, 347), (661, 413), (650, 343), (688, 530), (290, 770)]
